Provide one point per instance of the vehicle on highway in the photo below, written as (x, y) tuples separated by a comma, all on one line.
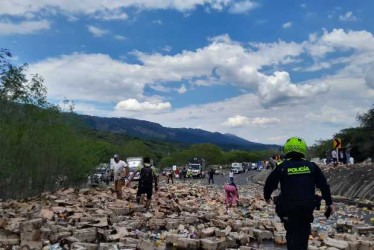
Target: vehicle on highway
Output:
[(166, 170), (197, 167), (254, 166), (100, 175), (258, 166), (217, 169), (133, 163), (247, 166), (237, 168)]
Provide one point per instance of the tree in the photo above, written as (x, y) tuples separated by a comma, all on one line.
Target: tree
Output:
[(361, 139), (367, 119)]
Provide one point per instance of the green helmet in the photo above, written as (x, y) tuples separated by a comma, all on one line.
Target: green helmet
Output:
[(295, 145)]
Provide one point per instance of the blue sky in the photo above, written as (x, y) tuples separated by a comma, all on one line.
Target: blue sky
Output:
[(263, 70)]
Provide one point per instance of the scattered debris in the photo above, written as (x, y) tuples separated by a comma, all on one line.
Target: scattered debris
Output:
[(185, 216)]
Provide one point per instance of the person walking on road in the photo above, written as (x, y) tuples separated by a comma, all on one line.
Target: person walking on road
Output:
[(120, 173), (298, 179), (148, 175), (211, 175)]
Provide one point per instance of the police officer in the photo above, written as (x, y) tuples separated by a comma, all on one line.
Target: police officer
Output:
[(298, 179)]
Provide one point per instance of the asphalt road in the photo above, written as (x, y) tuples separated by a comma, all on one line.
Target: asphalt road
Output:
[(220, 180)]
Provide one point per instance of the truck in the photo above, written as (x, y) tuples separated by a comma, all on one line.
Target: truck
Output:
[(237, 168), (197, 167), (247, 166)]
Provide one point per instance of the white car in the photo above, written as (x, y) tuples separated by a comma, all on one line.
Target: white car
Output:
[(237, 170)]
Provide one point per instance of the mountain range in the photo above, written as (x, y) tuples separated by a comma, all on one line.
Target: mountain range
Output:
[(188, 136)]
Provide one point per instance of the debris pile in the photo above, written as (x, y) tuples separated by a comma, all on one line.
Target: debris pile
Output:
[(182, 216)]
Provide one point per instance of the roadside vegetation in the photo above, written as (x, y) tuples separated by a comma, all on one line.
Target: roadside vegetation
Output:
[(360, 138)]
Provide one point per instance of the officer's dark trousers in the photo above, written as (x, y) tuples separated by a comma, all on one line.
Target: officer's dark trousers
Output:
[(298, 215)]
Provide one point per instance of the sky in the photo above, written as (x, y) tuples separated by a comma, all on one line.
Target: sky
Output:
[(263, 70)]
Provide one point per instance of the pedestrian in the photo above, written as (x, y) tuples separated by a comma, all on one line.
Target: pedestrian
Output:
[(231, 176), (184, 173), (169, 175), (272, 162), (189, 173), (334, 156), (232, 194), (120, 172), (148, 175), (298, 179), (211, 175), (176, 173), (348, 153), (181, 174)]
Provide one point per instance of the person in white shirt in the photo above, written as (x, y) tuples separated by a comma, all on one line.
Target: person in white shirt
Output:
[(231, 177), (334, 157), (120, 172)]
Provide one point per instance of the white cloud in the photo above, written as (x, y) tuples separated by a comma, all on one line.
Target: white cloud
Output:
[(287, 25), (91, 77), (161, 88), (158, 21), (27, 27), (303, 5), (167, 48), (115, 10), (71, 18), (97, 31), (369, 77), (134, 105), (111, 15), (119, 37), (240, 121), (349, 16), (261, 121), (237, 121), (182, 89), (328, 114), (244, 6), (279, 89), (338, 39)]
